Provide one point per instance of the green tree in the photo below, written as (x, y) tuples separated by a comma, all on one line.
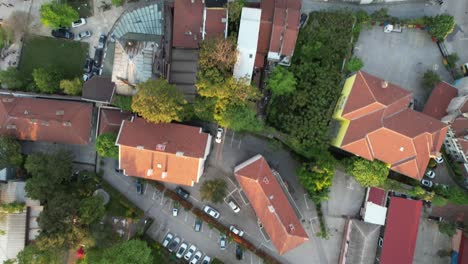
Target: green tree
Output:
[(55, 14), (203, 108), (158, 101), (13, 207), (127, 252), (281, 81), (213, 190), (60, 216), (123, 102), (91, 210), (48, 173), (118, 2), (239, 118), (105, 145), (10, 152), (452, 60), (47, 80), (12, 79), (230, 91), (71, 87), (447, 228), (430, 79), (439, 201), (441, 26), (354, 64), (317, 177), (217, 57), (457, 196), (31, 254), (368, 173)]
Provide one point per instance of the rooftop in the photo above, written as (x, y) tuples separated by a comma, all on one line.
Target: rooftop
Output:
[(441, 95), (270, 204), (376, 196), (46, 120), (362, 244), (401, 231), (111, 119), (188, 22), (99, 89)]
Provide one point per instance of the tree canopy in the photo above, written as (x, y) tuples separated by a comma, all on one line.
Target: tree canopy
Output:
[(127, 252), (71, 87), (213, 190), (368, 173), (239, 118), (441, 26), (217, 57), (55, 14), (354, 64), (47, 80), (281, 81), (317, 177), (10, 153), (158, 101), (91, 210), (105, 145), (12, 79), (430, 79), (31, 254)]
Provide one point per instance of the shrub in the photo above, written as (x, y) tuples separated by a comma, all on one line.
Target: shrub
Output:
[(430, 79), (441, 26), (118, 2), (213, 190), (439, 201), (452, 60), (173, 195), (447, 228), (123, 102), (105, 145), (71, 87), (354, 64)]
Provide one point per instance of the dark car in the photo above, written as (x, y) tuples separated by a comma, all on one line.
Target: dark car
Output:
[(88, 66), (98, 57), (117, 168), (62, 33), (239, 252), (435, 218), (198, 225), (182, 193), (139, 186), (303, 20), (102, 41)]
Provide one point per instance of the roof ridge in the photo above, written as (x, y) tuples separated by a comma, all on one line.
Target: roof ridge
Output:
[(367, 85)]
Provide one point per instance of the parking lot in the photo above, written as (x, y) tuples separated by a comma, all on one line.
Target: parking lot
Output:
[(429, 242), (401, 58)]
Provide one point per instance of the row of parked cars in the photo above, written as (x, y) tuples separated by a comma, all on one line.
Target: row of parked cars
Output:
[(94, 66), (64, 32), (431, 174), (189, 253)]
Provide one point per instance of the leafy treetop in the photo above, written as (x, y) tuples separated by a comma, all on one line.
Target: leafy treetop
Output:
[(105, 145), (213, 190), (281, 81), (55, 14), (10, 153), (441, 26), (368, 173), (127, 252)]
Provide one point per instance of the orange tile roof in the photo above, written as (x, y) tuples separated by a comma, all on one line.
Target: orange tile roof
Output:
[(441, 95), (270, 204), (382, 127), (46, 120), (172, 153)]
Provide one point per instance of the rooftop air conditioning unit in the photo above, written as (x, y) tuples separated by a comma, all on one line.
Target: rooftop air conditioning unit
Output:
[(164, 174)]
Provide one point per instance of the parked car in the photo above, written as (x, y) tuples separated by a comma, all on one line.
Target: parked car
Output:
[(426, 183), (430, 174), (182, 193), (175, 211), (211, 211), (168, 238), (62, 33), (206, 260), (98, 53), (139, 186), (190, 252), (102, 41), (84, 34), (80, 22), (239, 252), (196, 257), (222, 242), (233, 206), (380, 241), (219, 135), (303, 20), (88, 66), (173, 245), (439, 160), (435, 218), (183, 247), (236, 230), (198, 225)]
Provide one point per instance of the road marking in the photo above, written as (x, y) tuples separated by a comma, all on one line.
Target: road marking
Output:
[(305, 200), (186, 216), (251, 258), (162, 198), (211, 233)]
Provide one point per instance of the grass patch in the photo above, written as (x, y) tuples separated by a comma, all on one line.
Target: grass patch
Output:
[(123, 102), (40, 52), (119, 205)]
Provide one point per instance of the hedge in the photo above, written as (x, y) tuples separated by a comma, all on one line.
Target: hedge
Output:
[(173, 195)]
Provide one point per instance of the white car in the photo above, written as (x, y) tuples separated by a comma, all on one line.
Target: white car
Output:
[(219, 135), (211, 211), (190, 252), (175, 211), (181, 251), (236, 231), (167, 239), (84, 34), (80, 22), (426, 183), (233, 206), (430, 174), (206, 260), (439, 160), (196, 258)]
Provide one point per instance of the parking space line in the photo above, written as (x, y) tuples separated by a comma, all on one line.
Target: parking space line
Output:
[(162, 198), (211, 233), (186, 216), (246, 203), (305, 200)]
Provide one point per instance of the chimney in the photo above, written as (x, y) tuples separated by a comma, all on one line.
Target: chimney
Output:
[(384, 84)]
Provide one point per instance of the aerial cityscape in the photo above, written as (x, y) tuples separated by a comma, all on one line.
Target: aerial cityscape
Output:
[(233, 131)]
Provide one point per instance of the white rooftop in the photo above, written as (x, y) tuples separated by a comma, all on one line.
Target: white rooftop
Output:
[(375, 214), (247, 43)]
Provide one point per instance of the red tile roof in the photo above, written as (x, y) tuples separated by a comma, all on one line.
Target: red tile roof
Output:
[(172, 153), (463, 252), (270, 204), (111, 119), (285, 26), (188, 21), (377, 196), (441, 95), (382, 127), (213, 24), (45, 120), (401, 231)]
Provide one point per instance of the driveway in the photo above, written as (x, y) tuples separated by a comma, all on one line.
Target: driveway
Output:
[(429, 242), (401, 58), (458, 41)]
